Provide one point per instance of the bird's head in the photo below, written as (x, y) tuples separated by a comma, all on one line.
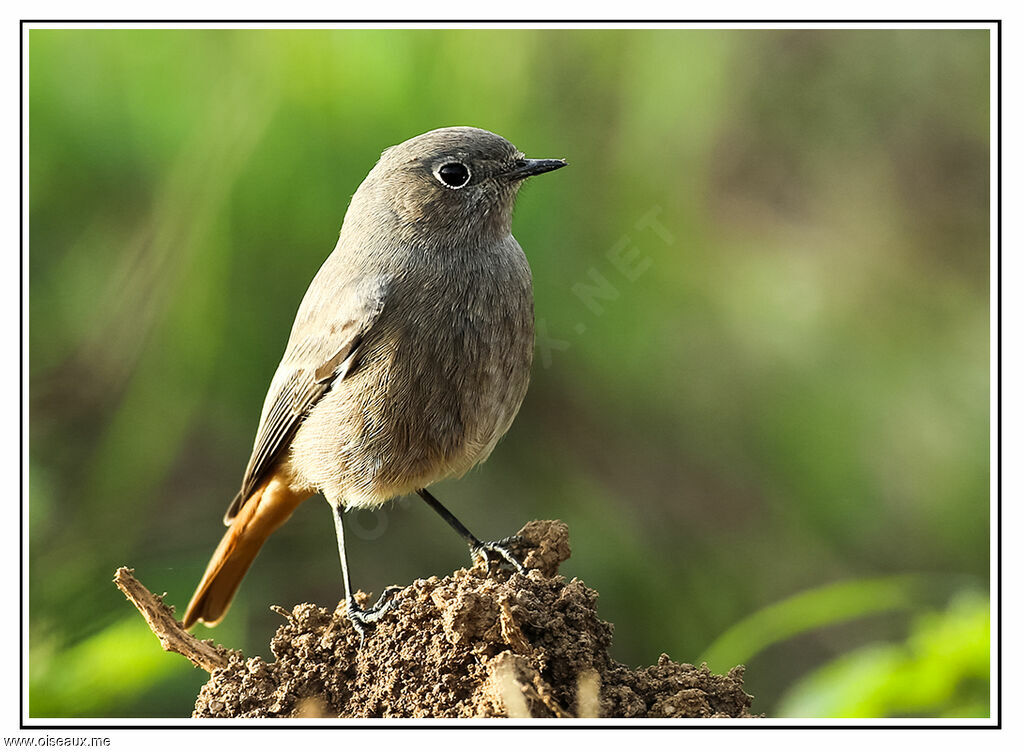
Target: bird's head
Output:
[(448, 187)]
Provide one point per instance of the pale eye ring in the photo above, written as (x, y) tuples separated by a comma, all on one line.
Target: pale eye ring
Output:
[(453, 174)]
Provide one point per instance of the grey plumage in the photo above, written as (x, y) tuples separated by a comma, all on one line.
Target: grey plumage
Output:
[(410, 353)]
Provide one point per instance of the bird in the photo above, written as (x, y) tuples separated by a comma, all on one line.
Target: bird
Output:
[(408, 359)]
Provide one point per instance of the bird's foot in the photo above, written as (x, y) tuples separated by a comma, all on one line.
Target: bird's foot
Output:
[(365, 619), (500, 551)]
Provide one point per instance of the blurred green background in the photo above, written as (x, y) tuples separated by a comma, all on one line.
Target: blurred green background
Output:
[(768, 428)]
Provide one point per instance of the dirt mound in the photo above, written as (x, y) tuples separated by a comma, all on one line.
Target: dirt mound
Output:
[(472, 644)]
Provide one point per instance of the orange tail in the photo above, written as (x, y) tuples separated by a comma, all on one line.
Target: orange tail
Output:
[(263, 512)]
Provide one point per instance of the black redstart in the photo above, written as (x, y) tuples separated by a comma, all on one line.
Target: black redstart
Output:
[(408, 359)]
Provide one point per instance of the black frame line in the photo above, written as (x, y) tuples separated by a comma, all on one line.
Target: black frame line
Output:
[(512, 23)]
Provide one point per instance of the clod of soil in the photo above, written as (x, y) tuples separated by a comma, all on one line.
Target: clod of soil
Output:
[(475, 643)]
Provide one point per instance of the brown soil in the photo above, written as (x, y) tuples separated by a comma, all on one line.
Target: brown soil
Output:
[(471, 644)]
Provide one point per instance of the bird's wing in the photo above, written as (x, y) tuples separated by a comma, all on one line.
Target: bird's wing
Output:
[(318, 356)]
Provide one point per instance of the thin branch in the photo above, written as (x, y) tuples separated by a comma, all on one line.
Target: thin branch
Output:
[(172, 635)]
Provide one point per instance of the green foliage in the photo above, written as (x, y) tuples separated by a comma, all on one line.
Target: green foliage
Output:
[(820, 607), (106, 670), (790, 387), (942, 669)]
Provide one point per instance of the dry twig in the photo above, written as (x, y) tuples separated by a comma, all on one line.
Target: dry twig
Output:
[(172, 635)]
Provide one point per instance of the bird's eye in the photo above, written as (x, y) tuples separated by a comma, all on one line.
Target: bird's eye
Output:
[(453, 174)]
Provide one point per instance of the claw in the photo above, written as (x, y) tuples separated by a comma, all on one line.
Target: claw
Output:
[(365, 619), (500, 551)]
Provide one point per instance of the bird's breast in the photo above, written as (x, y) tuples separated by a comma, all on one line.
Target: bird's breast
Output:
[(462, 363), (437, 384)]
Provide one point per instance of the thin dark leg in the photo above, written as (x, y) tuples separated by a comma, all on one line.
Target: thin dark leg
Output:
[(486, 551), (450, 518), (362, 619)]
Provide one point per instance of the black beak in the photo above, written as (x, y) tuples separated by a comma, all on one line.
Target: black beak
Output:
[(527, 168)]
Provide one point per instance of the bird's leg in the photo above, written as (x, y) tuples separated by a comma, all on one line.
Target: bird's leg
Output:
[(490, 551), (363, 619)]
